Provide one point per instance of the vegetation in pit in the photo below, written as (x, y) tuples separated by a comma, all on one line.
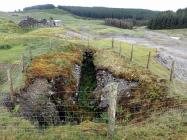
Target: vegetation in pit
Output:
[(88, 80)]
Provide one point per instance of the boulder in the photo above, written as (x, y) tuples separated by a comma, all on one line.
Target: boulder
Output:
[(104, 78), (35, 104)]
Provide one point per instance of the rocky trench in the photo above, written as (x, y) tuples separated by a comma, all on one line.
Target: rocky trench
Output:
[(47, 102)]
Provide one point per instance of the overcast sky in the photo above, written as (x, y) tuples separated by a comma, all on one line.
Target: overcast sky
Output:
[(10, 5)]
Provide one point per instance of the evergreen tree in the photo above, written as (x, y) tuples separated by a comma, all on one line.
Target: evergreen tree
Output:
[(169, 20)]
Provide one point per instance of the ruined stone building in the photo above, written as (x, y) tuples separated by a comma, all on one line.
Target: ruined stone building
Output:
[(30, 22)]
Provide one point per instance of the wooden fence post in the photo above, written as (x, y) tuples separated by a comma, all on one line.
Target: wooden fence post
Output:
[(50, 43), (22, 63), (148, 60), (184, 115), (10, 84), (112, 102), (172, 70), (30, 53), (88, 43), (112, 42), (120, 50), (156, 50), (132, 50)]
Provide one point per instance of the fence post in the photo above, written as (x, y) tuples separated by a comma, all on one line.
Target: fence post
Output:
[(112, 101), (50, 43), (30, 53), (148, 60), (88, 43), (132, 50), (112, 42), (10, 84), (156, 50), (120, 50), (172, 70), (22, 63), (184, 115)]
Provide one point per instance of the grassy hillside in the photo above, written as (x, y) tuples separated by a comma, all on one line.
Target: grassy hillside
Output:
[(168, 125)]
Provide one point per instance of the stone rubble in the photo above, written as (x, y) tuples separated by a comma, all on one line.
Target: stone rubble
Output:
[(31, 22), (103, 79)]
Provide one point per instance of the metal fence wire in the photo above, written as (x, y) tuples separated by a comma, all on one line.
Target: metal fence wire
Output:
[(42, 113), (45, 113)]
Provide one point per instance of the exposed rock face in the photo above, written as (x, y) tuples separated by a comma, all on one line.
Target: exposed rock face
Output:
[(103, 79), (6, 101), (35, 104), (48, 100)]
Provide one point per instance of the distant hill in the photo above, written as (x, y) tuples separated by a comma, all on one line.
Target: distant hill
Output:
[(103, 12), (46, 6)]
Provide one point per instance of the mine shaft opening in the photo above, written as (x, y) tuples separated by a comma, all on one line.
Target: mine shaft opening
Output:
[(76, 109), (56, 101), (88, 80)]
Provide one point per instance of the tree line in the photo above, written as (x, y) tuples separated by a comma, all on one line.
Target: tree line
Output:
[(125, 23), (40, 7), (102, 12), (169, 20)]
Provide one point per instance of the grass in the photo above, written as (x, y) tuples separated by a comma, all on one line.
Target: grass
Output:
[(9, 27), (53, 64), (12, 55), (166, 126), (140, 54), (47, 32)]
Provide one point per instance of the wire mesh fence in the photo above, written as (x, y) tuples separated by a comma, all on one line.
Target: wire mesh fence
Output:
[(44, 115), (47, 113)]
